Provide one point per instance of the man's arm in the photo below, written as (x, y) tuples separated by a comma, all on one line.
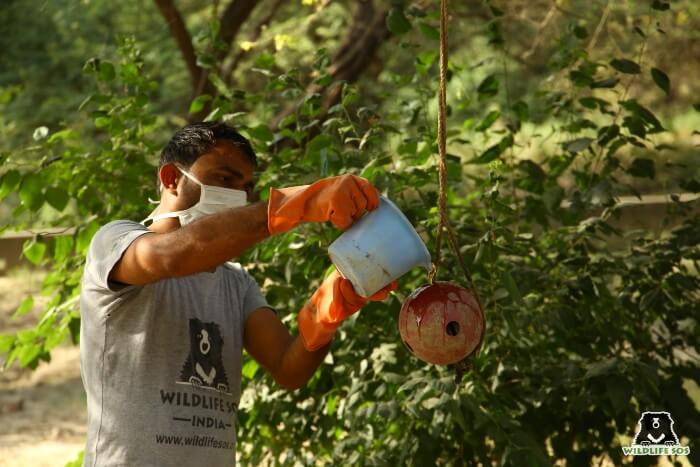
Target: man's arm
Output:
[(268, 341), (212, 240), (292, 360), (200, 246)]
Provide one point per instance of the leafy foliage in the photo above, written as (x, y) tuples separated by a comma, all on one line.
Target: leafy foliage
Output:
[(587, 325)]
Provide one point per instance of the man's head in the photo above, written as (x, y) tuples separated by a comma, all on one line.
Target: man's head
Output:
[(214, 153)]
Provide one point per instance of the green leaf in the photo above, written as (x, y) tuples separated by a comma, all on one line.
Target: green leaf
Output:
[(57, 198), (105, 71), (261, 133), (659, 5), (580, 32), (601, 367), (221, 86), (661, 80), (34, 251), (624, 65), (607, 134), (331, 404), (581, 79), (494, 151), (488, 87), (24, 307), (63, 135), (642, 167), (642, 112), (512, 287), (29, 355), (429, 31), (199, 102), (103, 122), (6, 343), (31, 191), (635, 126), (432, 402), (489, 120), (250, 368), (85, 236), (62, 246), (396, 21), (522, 111), (619, 391), (605, 83), (129, 72), (9, 182)]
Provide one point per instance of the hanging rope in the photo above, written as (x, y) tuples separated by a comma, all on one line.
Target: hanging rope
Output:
[(444, 223)]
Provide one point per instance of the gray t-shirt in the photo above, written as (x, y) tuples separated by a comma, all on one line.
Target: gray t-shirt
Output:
[(161, 363)]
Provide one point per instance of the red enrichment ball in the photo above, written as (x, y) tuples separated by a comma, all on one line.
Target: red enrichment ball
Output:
[(441, 323)]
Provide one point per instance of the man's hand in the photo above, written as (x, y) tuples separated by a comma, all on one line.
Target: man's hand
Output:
[(333, 302), (341, 200)]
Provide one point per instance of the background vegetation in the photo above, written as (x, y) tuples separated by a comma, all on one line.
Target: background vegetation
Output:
[(557, 109)]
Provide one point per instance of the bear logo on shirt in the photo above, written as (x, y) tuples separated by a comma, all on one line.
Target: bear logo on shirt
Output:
[(655, 428), (204, 366)]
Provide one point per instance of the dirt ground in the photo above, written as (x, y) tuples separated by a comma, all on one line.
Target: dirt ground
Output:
[(42, 412)]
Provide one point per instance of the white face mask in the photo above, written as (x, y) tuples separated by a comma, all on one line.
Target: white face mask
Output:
[(212, 199)]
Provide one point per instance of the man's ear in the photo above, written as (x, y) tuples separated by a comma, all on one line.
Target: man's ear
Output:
[(169, 176)]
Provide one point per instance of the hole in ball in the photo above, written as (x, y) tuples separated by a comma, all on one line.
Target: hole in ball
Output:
[(452, 328)]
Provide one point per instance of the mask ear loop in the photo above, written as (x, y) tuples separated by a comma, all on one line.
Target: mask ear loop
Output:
[(186, 174)]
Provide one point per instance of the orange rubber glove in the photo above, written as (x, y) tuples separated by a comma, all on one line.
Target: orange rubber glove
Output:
[(341, 200), (333, 302)]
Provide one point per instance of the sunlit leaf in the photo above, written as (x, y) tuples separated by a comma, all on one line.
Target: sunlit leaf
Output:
[(24, 307), (577, 145), (199, 102), (34, 251), (40, 133)]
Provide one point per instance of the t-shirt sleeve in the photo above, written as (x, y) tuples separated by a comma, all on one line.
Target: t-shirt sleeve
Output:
[(250, 296), (106, 249), (253, 298)]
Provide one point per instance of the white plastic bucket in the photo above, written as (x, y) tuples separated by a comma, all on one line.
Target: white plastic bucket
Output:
[(379, 248)]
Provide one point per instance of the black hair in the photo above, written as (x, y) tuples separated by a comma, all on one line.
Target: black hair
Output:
[(191, 141)]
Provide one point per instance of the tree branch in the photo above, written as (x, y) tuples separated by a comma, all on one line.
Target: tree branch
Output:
[(229, 68), (233, 17), (357, 51), (182, 37)]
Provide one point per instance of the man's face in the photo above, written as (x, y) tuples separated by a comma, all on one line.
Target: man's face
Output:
[(224, 166)]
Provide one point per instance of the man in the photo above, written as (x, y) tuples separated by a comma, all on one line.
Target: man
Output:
[(165, 317)]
